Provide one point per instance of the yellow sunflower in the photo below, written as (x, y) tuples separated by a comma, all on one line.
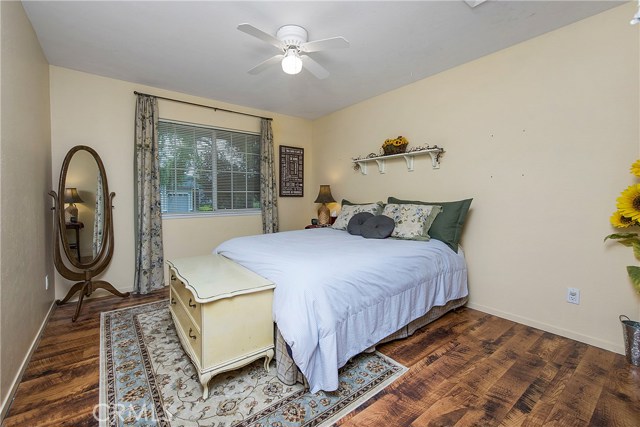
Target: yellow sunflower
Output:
[(629, 202), (635, 168), (620, 221)]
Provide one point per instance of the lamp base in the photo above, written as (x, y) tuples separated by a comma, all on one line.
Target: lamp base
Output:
[(71, 213), (324, 217)]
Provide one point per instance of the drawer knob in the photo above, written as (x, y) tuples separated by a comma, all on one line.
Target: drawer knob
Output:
[(173, 278), (191, 304), (173, 301), (193, 337)]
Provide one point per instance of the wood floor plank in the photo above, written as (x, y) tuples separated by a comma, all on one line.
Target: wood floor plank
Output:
[(425, 383), (619, 403), (448, 409), (428, 380), (481, 380), (466, 368), (566, 361), (503, 395), (577, 402), (432, 337), (60, 414), (498, 355), (521, 409), (76, 378)]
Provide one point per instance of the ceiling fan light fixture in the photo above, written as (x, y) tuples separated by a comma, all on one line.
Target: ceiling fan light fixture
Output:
[(291, 63), (291, 41)]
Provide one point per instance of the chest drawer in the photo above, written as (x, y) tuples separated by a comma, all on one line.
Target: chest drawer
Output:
[(190, 334), (231, 325), (192, 307)]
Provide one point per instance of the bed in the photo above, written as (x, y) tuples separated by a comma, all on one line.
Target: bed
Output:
[(339, 294)]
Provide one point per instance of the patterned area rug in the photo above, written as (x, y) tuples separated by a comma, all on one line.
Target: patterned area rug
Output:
[(146, 379)]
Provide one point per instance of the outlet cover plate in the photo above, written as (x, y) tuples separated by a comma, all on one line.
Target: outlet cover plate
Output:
[(573, 295)]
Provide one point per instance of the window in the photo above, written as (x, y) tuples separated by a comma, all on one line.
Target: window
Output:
[(205, 170)]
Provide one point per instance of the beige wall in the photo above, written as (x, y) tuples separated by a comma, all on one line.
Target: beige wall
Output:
[(99, 112), (541, 135), (25, 179)]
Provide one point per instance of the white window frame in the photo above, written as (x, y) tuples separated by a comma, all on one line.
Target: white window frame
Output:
[(219, 212)]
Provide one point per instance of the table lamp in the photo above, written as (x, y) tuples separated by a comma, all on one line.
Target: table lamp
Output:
[(72, 197), (324, 197)]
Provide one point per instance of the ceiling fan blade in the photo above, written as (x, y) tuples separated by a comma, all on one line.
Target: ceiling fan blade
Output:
[(265, 64), (255, 32), (324, 44), (314, 68)]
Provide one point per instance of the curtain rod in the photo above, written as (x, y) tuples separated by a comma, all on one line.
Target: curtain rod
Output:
[(202, 105)]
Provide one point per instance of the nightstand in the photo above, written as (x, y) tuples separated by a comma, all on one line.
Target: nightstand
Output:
[(77, 226)]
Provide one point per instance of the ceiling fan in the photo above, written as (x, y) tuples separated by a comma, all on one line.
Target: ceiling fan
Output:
[(292, 41)]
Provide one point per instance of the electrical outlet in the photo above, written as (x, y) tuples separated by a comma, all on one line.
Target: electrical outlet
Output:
[(573, 295), (46, 282)]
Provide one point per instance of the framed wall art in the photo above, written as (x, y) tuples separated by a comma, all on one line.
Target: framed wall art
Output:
[(291, 171)]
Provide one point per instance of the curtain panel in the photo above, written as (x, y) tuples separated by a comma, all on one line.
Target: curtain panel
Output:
[(268, 189), (98, 220), (149, 274)]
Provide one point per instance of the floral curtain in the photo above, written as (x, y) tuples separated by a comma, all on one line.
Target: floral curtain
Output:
[(98, 220), (149, 273), (268, 189)]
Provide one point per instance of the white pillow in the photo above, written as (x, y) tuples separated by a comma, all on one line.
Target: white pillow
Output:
[(412, 221), (350, 210)]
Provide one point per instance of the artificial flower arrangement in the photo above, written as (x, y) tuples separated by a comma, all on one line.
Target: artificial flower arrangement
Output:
[(395, 146), (628, 215)]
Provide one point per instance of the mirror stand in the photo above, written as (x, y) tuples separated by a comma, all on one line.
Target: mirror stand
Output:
[(74, 266), (86, 286)]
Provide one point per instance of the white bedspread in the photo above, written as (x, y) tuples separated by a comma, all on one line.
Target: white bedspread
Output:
[(337, 294)]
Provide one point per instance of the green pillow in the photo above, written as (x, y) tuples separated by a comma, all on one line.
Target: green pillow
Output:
[(447, 227)]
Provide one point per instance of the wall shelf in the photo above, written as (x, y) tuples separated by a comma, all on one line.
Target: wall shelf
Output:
[(408, 157)]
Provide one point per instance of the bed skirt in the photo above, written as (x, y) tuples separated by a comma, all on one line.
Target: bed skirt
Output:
[(289, 373)]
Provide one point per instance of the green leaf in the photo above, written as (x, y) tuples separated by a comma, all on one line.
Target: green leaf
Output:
[(618, 236), (629, 242), (634, 275), (636, 250)]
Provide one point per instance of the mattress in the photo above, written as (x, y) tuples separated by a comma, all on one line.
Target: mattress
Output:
[(337, 294)]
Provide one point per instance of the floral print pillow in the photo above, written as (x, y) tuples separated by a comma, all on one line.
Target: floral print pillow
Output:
[(350, 210), (412, 221)]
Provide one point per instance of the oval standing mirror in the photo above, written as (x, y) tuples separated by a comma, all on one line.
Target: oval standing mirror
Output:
[(83, 224), (83, 197)]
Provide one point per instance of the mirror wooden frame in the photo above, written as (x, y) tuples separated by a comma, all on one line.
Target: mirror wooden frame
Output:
[(84, 273)]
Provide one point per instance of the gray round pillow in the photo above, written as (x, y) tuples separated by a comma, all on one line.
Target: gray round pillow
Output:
[(378, 227), (356, 221)]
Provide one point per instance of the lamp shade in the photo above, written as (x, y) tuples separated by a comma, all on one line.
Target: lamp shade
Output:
[(324, 196), (71, 195), (291, 63)]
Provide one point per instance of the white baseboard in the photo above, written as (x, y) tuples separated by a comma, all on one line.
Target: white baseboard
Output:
[(6, 404), (607, 345)]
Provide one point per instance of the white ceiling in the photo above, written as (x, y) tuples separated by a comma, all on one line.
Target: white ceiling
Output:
[(195, 48)]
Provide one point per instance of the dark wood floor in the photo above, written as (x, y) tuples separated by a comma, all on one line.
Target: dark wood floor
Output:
[(467, 368)]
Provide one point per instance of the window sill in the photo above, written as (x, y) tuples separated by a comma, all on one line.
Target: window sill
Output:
[(222, 212)]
